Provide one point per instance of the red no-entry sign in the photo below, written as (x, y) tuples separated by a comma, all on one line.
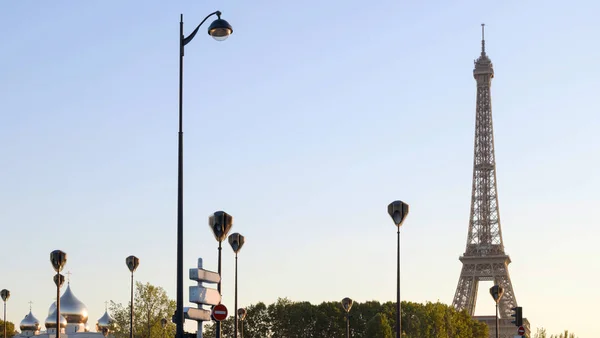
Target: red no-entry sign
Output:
[(219, 312), (521, 330)]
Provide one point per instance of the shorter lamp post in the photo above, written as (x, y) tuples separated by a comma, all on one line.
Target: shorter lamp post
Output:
[(58, 259), (5, 296), (163, 323), (132, 263), (496, 291), (236, 241), (398, 210), (241, 313), (220, 223), (347, 305)]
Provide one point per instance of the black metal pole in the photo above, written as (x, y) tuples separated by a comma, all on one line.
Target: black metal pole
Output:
[(242, 330), (347, 325), (131, 310), (218, 326), (398, 323), (497, 321), (179, 310), (57, 306), (235, 330), (4, 319)]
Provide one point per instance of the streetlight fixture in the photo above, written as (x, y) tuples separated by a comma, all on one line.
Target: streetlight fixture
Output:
[(398, 210), (347, 305), (163, 323), (58, 259), (241, 313), (219, 30), (132, 263), (497, 291), (220, 223), (5, 294), (236, 241)]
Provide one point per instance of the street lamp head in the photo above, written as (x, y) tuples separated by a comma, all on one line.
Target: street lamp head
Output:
[(220, 29), (59, 280), (347, 304), (220, 223), (163, 322), (236, 241), (496, 291), (5, 295), (58, 259), (398, 210), (132, 263), (241, 312)]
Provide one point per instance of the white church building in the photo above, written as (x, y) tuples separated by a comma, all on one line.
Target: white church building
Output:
[(73, 321)]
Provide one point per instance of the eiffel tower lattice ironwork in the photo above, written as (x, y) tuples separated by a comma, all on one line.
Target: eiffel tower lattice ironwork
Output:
[(484, 258)]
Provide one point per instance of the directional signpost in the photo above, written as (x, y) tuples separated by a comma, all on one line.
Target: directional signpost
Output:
[(202, 295), (199, 315)]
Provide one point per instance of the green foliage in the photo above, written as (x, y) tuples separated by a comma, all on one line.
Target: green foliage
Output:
[(151, 304), (379, 327), (287, 319), (10, 328), (541, 333)]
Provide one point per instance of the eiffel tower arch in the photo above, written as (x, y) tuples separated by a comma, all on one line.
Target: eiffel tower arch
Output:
[(484, 258)]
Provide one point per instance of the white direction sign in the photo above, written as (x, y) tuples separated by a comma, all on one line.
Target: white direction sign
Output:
[(202, 295), (201, 275), (197, 314)]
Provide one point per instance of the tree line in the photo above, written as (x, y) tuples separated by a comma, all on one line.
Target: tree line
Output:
[(288, 319)]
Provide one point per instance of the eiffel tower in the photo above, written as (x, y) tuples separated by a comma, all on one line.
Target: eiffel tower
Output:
[(484, 258)]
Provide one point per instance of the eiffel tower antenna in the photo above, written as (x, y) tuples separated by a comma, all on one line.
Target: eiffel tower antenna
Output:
[(482, 39), (484, 258)]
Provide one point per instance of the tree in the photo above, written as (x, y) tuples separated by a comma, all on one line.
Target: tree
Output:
[(151, 304), (10, 328), (379, 327), (541, 333)]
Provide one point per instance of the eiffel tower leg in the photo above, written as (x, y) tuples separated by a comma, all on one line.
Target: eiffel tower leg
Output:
[(466, 291), (508, 300)]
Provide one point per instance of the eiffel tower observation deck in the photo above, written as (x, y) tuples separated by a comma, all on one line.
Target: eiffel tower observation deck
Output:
[(484, 258)]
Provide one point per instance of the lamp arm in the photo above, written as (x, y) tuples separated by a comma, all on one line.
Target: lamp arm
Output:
[(186, 40)]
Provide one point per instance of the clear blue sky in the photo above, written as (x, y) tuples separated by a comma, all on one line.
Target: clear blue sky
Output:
[(303, 125)]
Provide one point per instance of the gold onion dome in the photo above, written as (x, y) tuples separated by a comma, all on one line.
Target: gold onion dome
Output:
[(30, 323), (51, 321), (104, 321)]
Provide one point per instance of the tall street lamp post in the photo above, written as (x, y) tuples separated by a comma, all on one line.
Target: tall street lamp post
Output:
[(220, 223), (132, 263), (497, 291), (219, 30), (58, 259), (236, 241), (241, 313), (5, 296), (398, 210), (347, 305)]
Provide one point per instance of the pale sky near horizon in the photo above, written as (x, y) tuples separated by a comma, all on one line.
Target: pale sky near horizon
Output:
[(303, 125)]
